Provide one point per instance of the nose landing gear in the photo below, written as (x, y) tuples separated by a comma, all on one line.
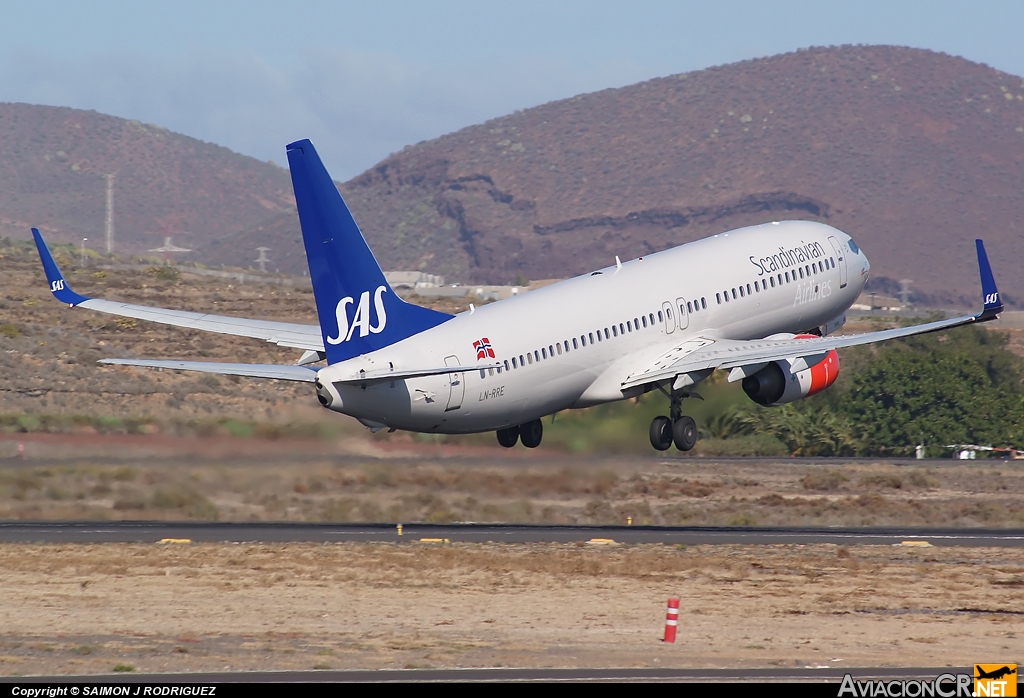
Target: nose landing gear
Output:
[(679, 429)]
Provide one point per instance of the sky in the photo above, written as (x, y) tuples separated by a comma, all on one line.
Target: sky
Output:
[(364, 79)]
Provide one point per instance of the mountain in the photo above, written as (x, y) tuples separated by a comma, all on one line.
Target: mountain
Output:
[(53, 167), (912, 152)]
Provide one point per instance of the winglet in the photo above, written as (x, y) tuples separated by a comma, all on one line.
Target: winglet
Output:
[(58, 286), (993, 305)]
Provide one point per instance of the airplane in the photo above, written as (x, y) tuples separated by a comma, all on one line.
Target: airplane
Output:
[(760, 302), (995, 674)]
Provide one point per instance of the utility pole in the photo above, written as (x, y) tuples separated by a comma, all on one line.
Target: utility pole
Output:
[(110, 213), (84, 240), (905, 292)]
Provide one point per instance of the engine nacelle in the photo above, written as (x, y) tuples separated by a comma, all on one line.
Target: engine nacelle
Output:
[(778, 383)]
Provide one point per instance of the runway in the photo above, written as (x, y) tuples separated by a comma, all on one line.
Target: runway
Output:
[(288, 532), (635, 674)]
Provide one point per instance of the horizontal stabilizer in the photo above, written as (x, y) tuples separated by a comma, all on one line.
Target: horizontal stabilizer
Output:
[(286, 372)]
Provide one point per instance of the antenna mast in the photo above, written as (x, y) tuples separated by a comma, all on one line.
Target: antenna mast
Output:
[(110, 213)]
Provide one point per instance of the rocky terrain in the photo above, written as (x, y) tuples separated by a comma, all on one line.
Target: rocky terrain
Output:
[(914, 153)]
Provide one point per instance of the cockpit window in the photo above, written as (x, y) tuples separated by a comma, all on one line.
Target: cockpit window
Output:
[(853, 246)]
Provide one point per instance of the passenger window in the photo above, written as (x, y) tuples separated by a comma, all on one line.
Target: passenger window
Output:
[(643, 319), (522, 361), (734, 294), (506, 365), (748, 289), (543, 353), (622, 328), (787, 277), (703, 303), (652, 319), (718, 297), (529, 359), (661, 318), (536, 355), (559, 348), (636, 323), (741, 292), (591, 337), (567, 345), (772, 280), (606, 334), (514, 364), (689, 307), (615, 331), (490, 371), (574, 343)]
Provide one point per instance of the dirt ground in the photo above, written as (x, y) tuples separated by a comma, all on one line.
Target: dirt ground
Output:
[(402, 479), (209, 607)]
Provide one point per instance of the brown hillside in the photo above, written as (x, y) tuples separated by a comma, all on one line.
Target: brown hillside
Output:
[(53, 163), (914, 153)]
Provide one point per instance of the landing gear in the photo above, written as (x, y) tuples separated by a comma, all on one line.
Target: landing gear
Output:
[(661, 433), (684, 433), (508, 437), (678, 429), (531, 433)]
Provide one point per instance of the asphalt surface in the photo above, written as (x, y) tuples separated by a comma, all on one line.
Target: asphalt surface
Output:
[(646, 674), (288, 532)]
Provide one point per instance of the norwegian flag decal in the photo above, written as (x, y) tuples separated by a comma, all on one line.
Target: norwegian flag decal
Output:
[(483, 349)]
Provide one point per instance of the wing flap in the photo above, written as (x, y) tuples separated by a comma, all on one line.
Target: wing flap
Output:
[(285, 372)]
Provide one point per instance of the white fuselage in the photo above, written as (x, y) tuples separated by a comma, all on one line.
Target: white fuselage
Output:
[(615, 322)]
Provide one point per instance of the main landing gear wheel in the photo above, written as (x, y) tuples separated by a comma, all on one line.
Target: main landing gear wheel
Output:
[(684, 433), (661, 433), (531, 433), (508, 437)]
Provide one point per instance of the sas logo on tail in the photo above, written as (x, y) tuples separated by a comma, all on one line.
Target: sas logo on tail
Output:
[(361, 319), (483, 349)]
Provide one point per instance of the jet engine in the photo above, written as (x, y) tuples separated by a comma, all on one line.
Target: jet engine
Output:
[(790, 380)]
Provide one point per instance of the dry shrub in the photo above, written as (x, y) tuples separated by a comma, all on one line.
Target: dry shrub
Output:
[(824, 481), (881, 480)]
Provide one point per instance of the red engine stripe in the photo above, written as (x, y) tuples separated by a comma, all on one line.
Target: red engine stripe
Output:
[(824, 373)]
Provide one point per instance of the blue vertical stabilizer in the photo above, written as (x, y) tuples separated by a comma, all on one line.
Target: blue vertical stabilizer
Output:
[(359, 312)]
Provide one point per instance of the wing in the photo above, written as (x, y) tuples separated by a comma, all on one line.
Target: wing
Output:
[(290, 372), (285, 334), (703, 353)]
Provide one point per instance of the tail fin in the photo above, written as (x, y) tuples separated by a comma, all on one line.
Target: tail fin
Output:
[(359, 312)]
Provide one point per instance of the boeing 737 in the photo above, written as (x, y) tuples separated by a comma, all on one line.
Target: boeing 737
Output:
[(760, 302)]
